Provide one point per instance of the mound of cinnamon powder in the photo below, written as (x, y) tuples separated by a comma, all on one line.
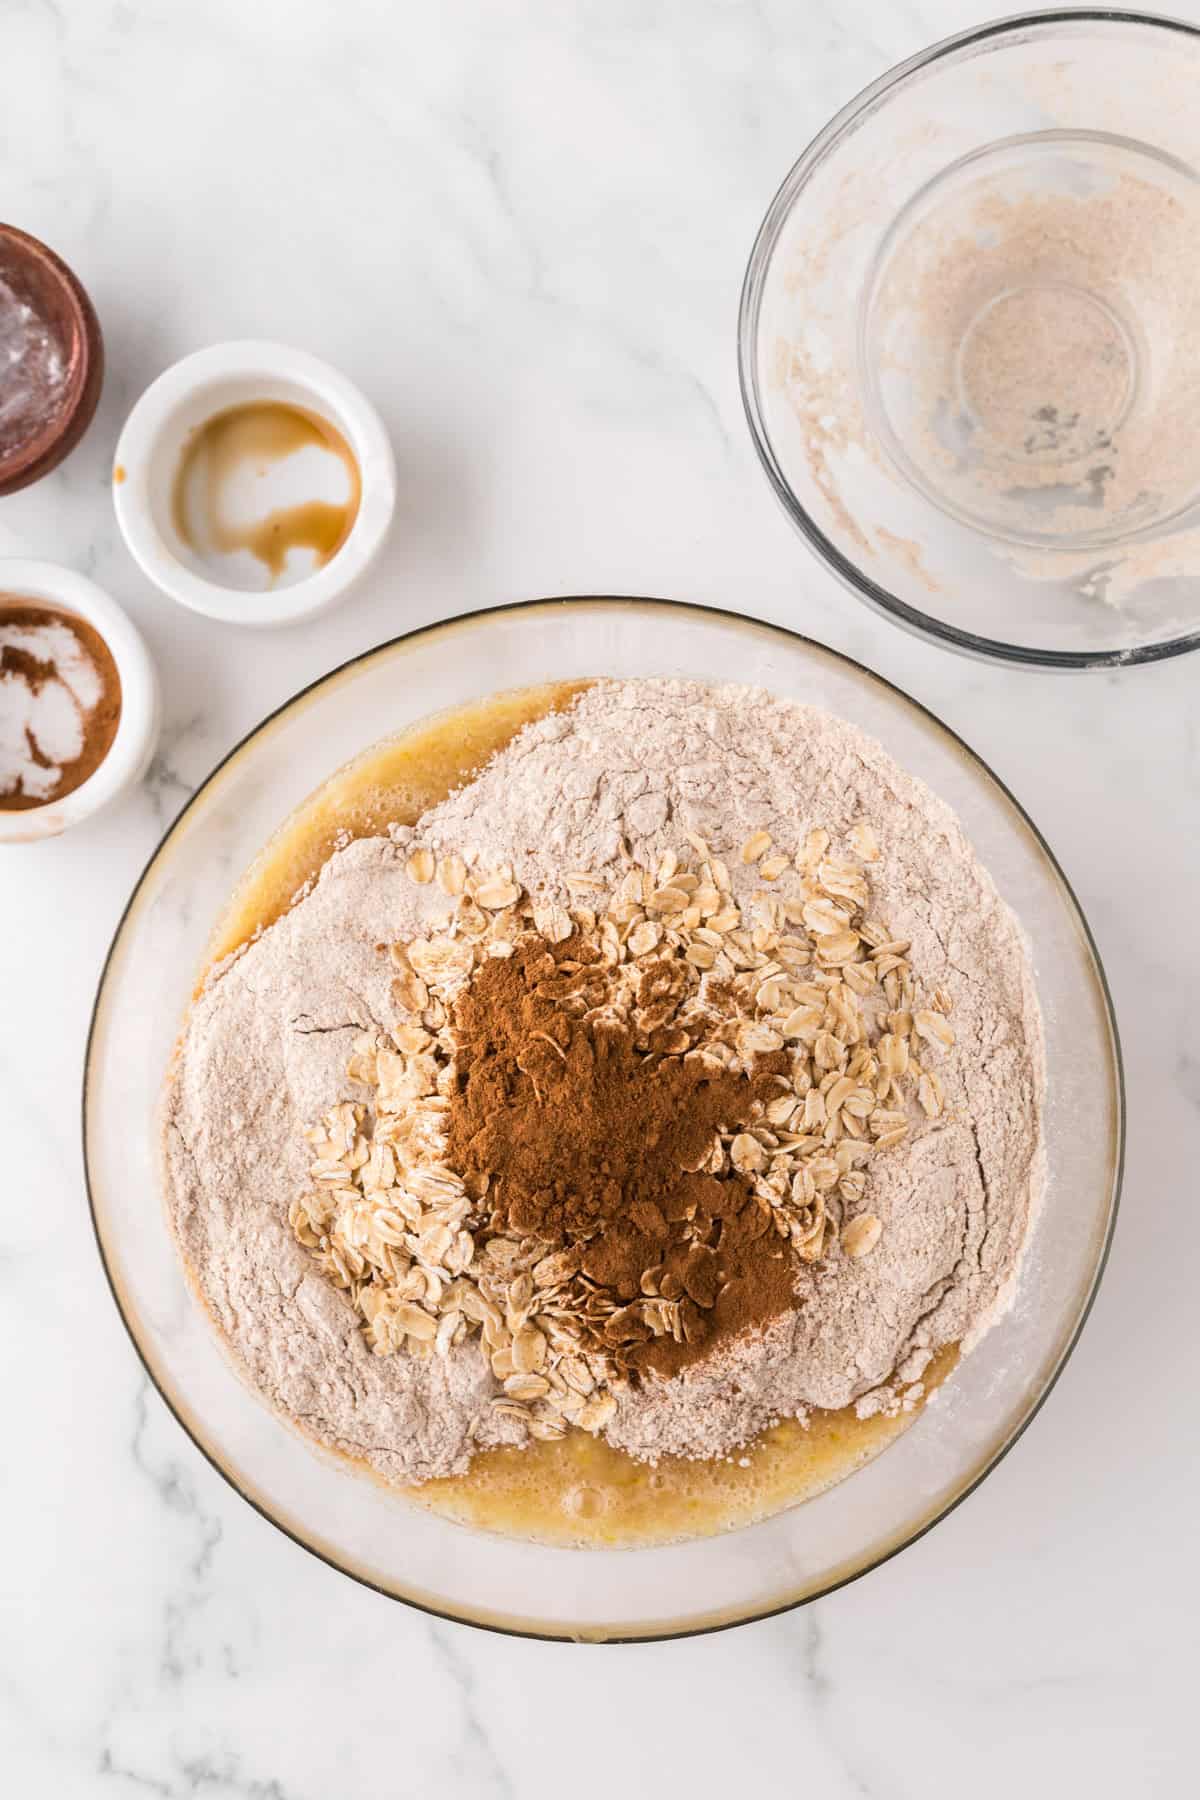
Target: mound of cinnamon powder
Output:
[(584, 1129)]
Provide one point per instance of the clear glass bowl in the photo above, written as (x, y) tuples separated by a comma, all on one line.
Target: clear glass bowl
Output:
[(376, 1535), (969, 341)]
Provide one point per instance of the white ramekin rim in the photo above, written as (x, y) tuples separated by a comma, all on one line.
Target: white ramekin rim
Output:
[(138, 726), (329, 392)]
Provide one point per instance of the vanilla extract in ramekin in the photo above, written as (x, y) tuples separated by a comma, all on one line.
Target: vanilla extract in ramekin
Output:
[(266, 493), (254, 483)]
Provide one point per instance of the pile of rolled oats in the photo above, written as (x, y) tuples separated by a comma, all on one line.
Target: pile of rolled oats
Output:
[(799, 968)]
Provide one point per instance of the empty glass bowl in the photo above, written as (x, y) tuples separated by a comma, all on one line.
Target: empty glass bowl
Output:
[(970, 341), (374, 1533)]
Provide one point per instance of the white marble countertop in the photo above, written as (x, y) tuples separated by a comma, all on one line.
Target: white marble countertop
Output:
[(523, 229)]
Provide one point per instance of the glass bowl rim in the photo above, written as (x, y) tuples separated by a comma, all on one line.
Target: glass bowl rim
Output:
[(600, 602), (869, 99)]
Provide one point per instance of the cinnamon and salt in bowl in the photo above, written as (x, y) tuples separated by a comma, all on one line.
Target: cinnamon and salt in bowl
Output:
[(79, 700), (51, 360), (323, 764), (254, 483), (969, 341)]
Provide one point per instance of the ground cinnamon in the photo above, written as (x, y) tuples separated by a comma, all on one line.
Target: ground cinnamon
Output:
[(591, 1133)]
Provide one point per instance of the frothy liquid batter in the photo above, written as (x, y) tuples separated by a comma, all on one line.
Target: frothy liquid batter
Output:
[(578, 1491)]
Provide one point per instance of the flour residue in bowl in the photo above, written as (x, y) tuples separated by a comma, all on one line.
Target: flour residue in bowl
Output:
[(1032, 341), (974, 320), (60, 703)]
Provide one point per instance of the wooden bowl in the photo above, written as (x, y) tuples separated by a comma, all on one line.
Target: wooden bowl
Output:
[(42, 281)]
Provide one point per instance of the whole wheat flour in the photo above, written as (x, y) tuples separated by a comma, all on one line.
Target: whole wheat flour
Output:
[(629, 769)]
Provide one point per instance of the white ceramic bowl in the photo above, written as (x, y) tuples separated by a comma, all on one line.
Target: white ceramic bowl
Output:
[(374, 1533), (151, 448), (137, 729)]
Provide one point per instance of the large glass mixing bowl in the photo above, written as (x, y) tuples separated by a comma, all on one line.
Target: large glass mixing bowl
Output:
[(376, 1535), (970, 341)]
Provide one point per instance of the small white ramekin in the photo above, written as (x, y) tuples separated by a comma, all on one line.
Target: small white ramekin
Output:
[(151, 448), (137, 728)]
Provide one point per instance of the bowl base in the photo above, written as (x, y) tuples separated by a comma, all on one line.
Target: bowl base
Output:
[(1021, 353)]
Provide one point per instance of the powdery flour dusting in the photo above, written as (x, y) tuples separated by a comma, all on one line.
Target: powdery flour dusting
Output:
[(265, 1050), (43, 719)]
